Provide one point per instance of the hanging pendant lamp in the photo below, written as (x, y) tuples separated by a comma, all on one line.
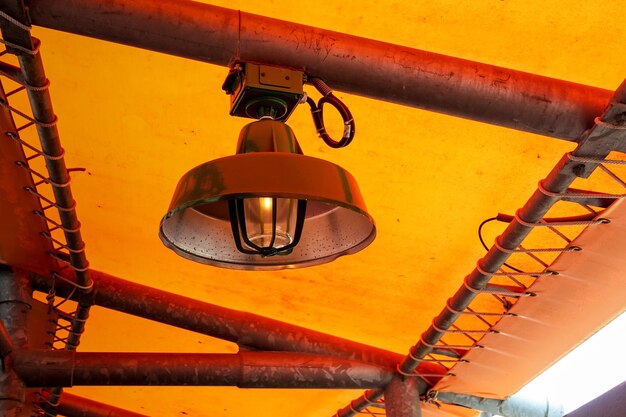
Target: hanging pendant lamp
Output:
[(267, 207)]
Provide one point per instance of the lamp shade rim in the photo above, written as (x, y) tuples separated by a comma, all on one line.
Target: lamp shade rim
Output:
[(237, 265)]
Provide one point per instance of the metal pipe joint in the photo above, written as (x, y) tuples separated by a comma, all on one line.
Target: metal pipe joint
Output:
[(514, 406)]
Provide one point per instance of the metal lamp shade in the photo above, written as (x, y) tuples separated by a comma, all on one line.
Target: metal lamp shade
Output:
[(197, 225)]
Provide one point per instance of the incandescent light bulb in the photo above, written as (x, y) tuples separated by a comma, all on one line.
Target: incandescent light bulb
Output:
[(270, 222)]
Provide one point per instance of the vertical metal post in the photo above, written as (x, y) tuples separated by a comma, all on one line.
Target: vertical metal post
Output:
[(15, 302), (402, 398)]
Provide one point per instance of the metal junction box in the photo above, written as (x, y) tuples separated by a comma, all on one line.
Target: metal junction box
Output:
[(262, 90)]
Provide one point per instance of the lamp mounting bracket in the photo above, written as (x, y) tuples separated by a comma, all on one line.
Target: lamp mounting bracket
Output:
[(259, 90)]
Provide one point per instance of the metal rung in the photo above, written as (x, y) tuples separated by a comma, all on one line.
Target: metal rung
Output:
[(47, 200), (595, 160), (536, 258), (439, 361), (44, 178), (66, 328), (515, 274), (56, 224), (17, 90), (63, 245), (578, 195), (421, 375), (461, 331), (452, 353), (544, 223), (415, 358), (451, 347), (521, 249), (375, 413), (501, 290), (68, 263), (25, 126), (36, 150), (30, 118), (87, 287), (474, 313), (613, 175)]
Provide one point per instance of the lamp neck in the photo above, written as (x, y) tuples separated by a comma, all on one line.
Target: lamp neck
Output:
[(267, 135)]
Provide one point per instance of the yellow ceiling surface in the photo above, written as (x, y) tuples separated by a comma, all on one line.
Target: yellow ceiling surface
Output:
[(138, 120)]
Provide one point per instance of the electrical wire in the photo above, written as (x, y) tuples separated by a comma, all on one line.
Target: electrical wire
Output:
[(317, 111), (482, 241)]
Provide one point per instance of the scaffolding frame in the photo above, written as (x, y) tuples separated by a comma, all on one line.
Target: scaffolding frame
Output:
[(591, 117)]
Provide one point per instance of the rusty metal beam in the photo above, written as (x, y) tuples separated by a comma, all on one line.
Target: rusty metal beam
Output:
[(402, 398), (63, 368), (15, 303), (356, 65), (243, 328)]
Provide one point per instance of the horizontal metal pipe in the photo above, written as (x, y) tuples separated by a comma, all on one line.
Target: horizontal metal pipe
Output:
[(245, 329), (64, 368), (352, 64), (11, 72), (514, 406), (74, 406)]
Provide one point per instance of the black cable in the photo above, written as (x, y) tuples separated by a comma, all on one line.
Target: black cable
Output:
[(317, 111), (482, 241), (480, 231)]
